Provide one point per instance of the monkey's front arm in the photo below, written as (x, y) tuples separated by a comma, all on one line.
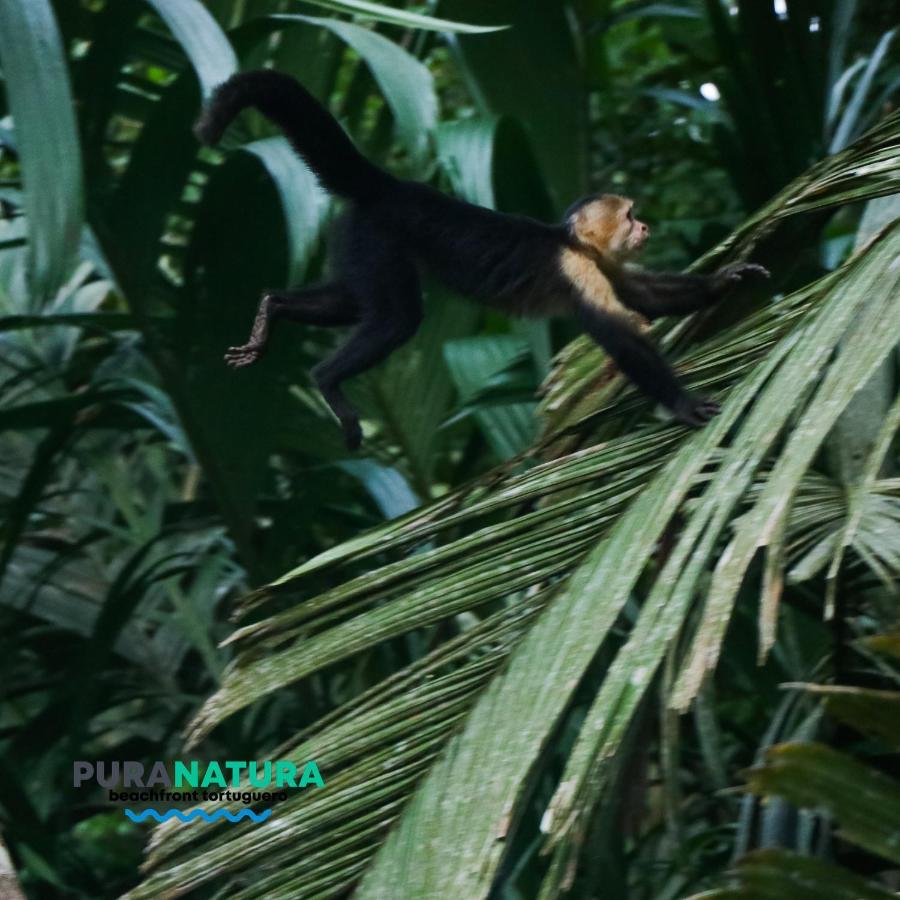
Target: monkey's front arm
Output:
[(655, 294)]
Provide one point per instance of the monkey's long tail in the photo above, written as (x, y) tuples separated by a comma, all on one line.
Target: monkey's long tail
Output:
[(313, 132)]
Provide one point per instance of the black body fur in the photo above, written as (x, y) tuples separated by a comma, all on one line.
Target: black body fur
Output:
[(393, 227)]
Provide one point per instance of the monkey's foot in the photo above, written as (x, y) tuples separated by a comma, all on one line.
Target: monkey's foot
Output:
[(695, 411), (245, 355)]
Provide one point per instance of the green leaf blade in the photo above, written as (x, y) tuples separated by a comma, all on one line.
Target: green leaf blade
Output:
[(201, 38), (40, 99)]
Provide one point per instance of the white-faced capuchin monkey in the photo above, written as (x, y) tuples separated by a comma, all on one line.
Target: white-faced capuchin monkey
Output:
[(393, 227)]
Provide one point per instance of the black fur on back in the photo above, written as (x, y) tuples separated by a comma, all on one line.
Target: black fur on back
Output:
[(312, 130), (504, 260)]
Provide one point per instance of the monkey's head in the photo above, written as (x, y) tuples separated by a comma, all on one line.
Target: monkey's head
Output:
[(606, 223)]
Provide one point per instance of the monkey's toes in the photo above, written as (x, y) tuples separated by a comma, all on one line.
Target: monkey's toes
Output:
[(245, 355)]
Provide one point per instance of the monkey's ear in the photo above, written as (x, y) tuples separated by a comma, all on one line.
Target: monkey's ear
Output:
[(578, 222)]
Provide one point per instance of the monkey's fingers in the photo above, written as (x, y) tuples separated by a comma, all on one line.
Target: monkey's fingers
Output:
[(707, 408), (696, 411), (754, 269), (740, 271)]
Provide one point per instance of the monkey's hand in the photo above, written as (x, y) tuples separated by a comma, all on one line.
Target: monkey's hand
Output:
[(730, 276), (245, 355), (695, 411)]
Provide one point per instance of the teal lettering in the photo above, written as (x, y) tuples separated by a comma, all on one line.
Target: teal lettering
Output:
[(185, 775), (285, 774), (255, 779), (213, 776), (311, 774), (235, 768)]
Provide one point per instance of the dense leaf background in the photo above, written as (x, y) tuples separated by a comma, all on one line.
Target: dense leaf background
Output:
[(540, 641)]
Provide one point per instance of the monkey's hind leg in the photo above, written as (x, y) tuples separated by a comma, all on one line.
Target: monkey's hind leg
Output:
[(328, 305), (389, 321)]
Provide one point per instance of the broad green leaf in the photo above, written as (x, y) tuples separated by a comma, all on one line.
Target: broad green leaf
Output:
[(412, 393), (528, 74), (867, 710), (490, 161), (39, 94), (387, 487), (240, 413), (850, 117), (99, 322), (864, 803), (202, 40), (304, 203), (466, 152), (778, 875), (407, 85), (130, 230), (509, 427)]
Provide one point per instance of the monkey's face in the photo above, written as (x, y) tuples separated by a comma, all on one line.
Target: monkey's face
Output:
[(607, 224)]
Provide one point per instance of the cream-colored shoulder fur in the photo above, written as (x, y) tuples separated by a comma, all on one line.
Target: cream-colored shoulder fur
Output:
[(582, 272)]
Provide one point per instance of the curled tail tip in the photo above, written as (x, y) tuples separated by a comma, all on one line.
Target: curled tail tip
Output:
[(209, 127), (226, 101), (206, 131)]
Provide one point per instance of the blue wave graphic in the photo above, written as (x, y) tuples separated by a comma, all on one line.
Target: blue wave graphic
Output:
[(194, 814)]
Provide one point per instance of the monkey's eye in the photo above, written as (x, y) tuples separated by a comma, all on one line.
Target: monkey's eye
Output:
[(630, 215)]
